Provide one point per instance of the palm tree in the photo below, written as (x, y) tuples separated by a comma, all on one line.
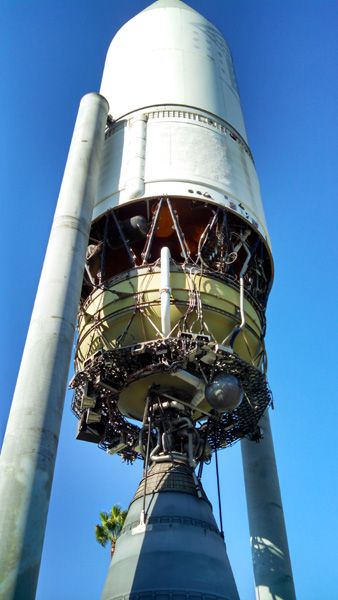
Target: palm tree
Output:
[(111, 527)]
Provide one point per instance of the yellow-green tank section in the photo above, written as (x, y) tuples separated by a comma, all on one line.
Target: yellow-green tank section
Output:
[(212, 251), (128, 312)]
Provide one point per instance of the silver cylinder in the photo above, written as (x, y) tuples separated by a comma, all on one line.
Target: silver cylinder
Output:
[(173, 550), (30, 444), (269, 544)]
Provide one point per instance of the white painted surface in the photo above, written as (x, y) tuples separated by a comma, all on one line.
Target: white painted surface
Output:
[(179, 128), (169, 53), (136, 156), (176, 152)]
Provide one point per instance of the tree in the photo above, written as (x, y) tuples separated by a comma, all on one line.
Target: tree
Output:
[(111, 527)]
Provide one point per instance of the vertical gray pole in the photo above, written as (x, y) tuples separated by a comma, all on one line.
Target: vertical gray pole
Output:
[(269, 544), (30, 444)]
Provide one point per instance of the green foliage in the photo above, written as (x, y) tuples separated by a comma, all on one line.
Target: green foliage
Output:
[(111, 526)]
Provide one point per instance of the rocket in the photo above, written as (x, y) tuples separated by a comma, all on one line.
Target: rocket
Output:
[(178, 266), (166, 267)]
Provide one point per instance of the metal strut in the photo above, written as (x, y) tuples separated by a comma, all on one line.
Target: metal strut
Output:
[(131, 255), (151, 233), (179, 233)]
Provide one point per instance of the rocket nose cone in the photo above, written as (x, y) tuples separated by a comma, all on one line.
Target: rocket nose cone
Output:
[(170, 54), (169, 4)]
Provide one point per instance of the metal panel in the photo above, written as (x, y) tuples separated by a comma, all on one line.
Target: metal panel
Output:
[(170, 150), (171, 54)]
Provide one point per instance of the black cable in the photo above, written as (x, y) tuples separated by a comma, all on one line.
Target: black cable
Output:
[(146, 464), (219, 494), (201, 465)]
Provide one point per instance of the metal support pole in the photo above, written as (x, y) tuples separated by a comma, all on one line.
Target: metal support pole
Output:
[(30, 444), (269, 544)]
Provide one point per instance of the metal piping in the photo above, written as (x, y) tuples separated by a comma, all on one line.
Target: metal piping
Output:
[(233, 335), (137, 152), (165, 292)]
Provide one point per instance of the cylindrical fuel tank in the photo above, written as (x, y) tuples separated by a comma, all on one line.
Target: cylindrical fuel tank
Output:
[(179, 553)]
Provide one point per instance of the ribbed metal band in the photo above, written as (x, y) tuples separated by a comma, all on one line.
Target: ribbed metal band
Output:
[(169, 477), (168, 521), (169, 595)]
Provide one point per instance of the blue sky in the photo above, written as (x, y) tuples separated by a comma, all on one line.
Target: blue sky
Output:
[(285, 53)]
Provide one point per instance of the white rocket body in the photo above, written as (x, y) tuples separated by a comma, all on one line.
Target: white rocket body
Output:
[(179, 129)]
